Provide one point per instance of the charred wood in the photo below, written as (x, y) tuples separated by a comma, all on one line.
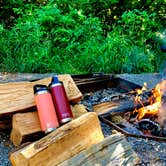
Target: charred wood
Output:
[(117, 107)]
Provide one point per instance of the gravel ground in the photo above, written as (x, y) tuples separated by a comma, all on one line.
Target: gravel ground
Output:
[(151, 153), (5, 147), (150, 79)]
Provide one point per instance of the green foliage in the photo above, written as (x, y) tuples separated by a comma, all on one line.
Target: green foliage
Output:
[(138, 25), (80, 36)]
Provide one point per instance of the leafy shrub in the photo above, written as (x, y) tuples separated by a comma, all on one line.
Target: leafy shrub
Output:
[(80, 36)]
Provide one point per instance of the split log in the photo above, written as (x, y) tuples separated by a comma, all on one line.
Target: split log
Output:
[(17, 97), (61, 144), (117, 107), (26, 126), (78, 110), (113, 150)]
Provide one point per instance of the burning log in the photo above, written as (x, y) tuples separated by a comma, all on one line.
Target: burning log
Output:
[(126, 133), (148, 111), (113, 150), (61, 144), (116, 107), (26, 126), (158, 108), (19, 97)]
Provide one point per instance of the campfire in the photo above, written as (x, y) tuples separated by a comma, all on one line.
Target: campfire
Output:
[(138, 112), (151, 119)]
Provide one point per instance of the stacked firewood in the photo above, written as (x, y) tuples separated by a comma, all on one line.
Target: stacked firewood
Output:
[(78, 142)]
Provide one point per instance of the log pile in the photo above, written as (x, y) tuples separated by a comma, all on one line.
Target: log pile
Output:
[(26, 126), (79, 142), (22, 97), (61, 144)]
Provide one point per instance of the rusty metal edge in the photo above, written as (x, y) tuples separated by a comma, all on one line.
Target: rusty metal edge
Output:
[(103, 119)]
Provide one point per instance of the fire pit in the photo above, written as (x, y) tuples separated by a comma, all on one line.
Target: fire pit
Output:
[(149, 120), (136, 112)]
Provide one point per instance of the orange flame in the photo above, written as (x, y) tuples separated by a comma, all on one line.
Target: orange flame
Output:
[(140, 91), (155, 102)]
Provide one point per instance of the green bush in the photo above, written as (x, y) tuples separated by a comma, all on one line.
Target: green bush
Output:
[(80, 36)]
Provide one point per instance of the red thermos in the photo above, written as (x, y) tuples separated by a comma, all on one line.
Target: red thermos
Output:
[(45, 107), (60, 100)]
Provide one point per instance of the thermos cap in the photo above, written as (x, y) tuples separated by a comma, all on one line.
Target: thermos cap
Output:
[(39, 88), (55, 79), (55, 82)]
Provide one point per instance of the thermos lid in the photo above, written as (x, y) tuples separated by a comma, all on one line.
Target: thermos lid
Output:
[(54, 81), (39, 88)]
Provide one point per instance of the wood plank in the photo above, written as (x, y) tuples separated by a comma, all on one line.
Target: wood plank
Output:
[(26, 126), (61, 144), (113, 150), (18, 96)]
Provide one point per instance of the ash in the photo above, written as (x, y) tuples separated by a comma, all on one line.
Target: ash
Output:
[(102, 96)]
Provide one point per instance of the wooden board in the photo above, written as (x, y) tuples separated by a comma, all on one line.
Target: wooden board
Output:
[(61, 144), (26, 126), (113, 150), (18, 96)]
